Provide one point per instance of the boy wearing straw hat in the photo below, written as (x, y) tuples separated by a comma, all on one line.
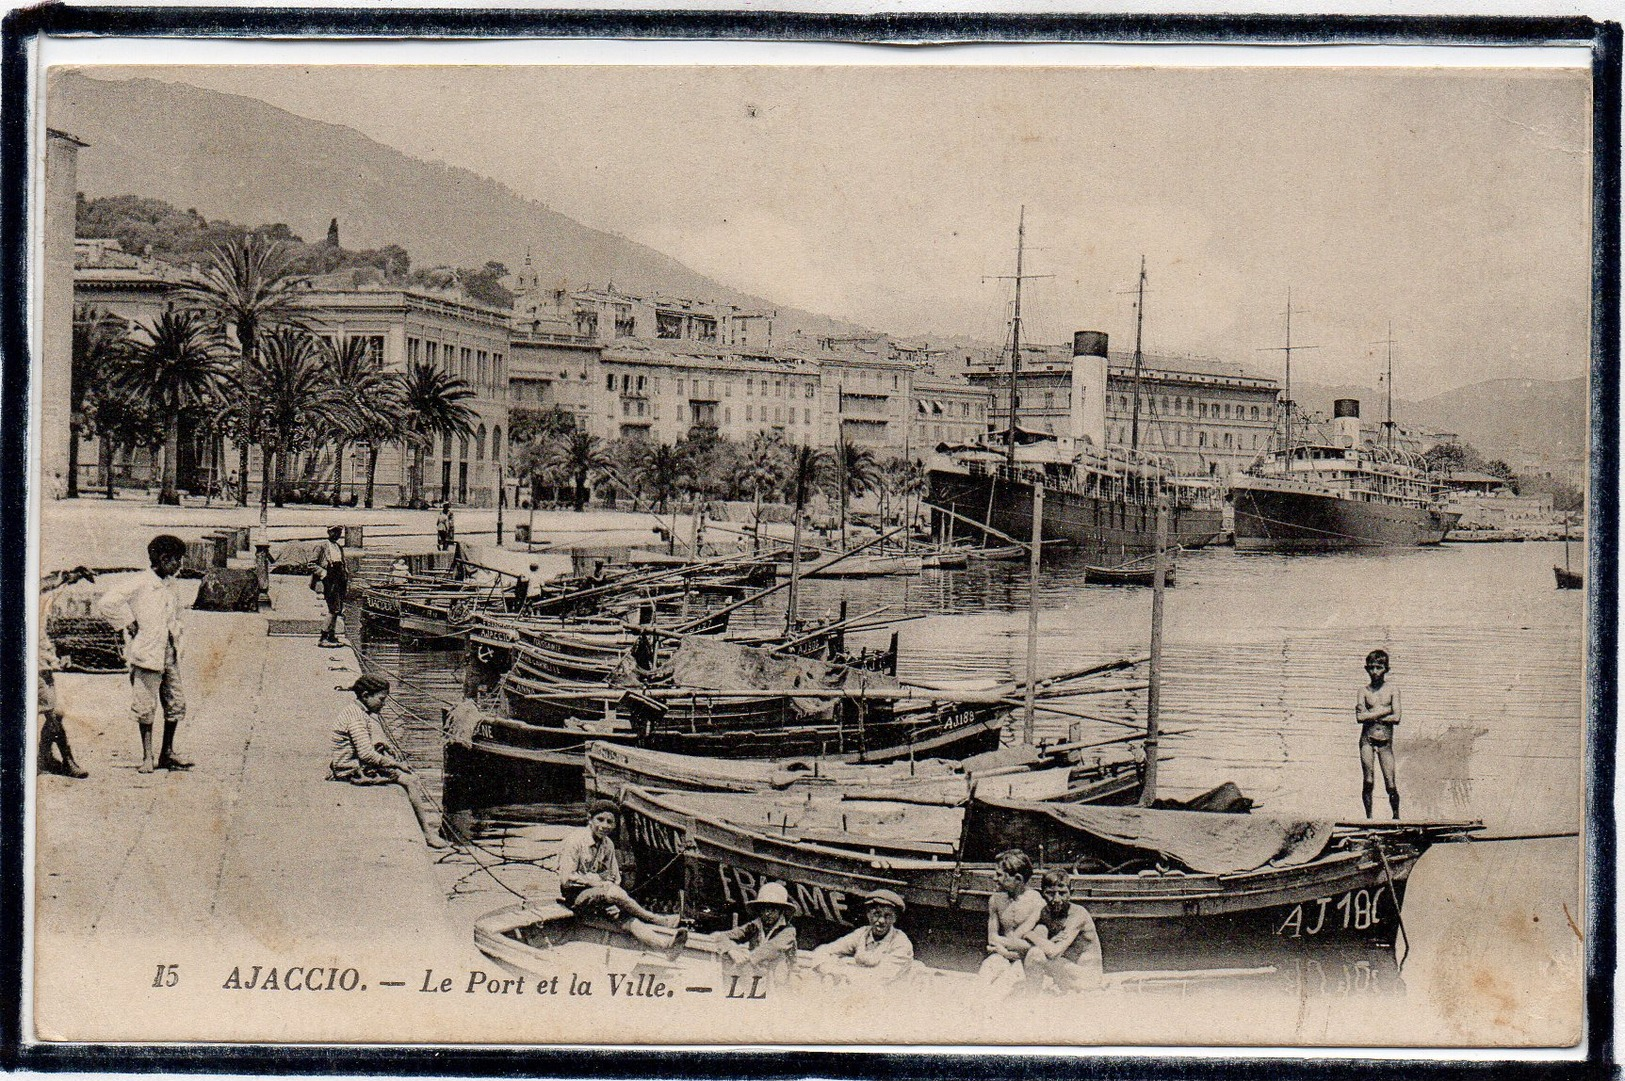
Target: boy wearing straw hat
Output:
[(361, 756), (767, 942)]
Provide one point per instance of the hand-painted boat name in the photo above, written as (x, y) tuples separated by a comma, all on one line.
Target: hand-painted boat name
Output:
[(1356, 910), (656, 836), (739, 887)]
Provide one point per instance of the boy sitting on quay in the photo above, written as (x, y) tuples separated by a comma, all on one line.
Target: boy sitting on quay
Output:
[(1012, 913), (361, 757), (590, 882), (875, 955), (766, 944), (1065, 948)]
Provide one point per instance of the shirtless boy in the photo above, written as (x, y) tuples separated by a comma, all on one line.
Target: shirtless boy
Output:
[(1065, 947), (1377, 710), (1012, 912)]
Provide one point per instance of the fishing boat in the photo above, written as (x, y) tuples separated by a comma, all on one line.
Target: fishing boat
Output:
[(1002, 553), (1163, 886), (1101, 500), (1026, 772), (1324, 490)]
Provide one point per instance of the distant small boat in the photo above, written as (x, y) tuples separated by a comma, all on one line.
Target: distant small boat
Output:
[(1136, 572), (1001, 552)]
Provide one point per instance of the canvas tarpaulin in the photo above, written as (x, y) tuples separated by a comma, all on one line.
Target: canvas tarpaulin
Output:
[(1201, 840)]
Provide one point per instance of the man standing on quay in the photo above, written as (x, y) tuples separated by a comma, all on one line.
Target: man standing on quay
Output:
[(146, 607)]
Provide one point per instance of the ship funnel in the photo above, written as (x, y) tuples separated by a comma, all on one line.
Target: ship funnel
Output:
[(1346, 420), (1089, 390)]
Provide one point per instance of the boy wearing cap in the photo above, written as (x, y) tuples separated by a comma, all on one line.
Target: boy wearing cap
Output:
[(590, 880), (877, 954), (766, 943), (335, 581), (146, 607), (361, 756)]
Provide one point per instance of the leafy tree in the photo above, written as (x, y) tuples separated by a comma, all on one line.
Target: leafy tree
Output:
[(1498, 468), (434, 407), (175, 368), (857, 471), (370, 401), (247, 284), (664, 473), (99, 344)]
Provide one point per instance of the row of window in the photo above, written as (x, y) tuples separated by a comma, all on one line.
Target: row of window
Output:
[(705, 413), (1188, 407), (479, 445), (1186, 436), (482, 369), (628, 383)]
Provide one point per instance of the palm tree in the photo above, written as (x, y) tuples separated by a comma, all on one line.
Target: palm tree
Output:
[(174, 368), (296, 400), (807, 469), (247, 284), (664, 472), (433, 405), (99, 343), (857, 473), (765, 463), (580, 457), (368, 394)]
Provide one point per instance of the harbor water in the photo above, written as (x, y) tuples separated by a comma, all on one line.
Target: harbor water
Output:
[(1263, 659)]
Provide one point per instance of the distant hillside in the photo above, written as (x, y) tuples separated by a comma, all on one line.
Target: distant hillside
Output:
[(238, 158), (1529, 421)]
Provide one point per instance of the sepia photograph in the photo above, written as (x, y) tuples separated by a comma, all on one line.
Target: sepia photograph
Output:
[(616, 544)]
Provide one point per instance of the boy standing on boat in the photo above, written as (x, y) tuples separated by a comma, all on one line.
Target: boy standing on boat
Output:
[(875, 955), (766, 943), (1377, 710), (590, 880), (1065, 947), (1012, 913)]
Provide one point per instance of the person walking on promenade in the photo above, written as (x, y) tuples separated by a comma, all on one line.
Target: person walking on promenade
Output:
[(1012, 913), (590, 881), (445, 528), (361, 755), (1376, 708), (146, 607), (53, 735), (335, 583)]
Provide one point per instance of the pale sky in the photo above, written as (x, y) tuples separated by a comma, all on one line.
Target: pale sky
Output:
[(1453, 202)]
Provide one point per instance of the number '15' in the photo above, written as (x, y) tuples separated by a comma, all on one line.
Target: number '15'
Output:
[(167, 976)]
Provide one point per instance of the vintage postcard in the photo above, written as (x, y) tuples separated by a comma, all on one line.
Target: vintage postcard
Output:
[(739, 543)]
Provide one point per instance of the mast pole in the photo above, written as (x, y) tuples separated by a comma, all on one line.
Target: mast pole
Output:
[(1015, 336), (1388, 425), (1287, 404), (1139, 325), (1027, 725), (1153, 692)]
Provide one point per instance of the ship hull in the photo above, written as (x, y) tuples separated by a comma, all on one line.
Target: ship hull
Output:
[(1272, 518), (1107, 531)]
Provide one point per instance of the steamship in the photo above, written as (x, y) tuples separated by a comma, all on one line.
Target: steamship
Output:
[(1099, 500), (1321, 491)]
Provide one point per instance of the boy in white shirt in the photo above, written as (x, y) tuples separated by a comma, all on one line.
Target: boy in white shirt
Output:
[(146, 607)]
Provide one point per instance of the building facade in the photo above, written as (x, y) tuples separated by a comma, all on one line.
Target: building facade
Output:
[(947, 411), (465, 339), (55, 344), (1209, 420)]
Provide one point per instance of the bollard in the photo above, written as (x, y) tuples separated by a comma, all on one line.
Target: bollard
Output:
[(355, 536)]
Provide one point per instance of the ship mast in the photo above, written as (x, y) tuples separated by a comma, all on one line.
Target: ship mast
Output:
[(1286, 397), (1139, 325), (1015, 337), (1388, 425)]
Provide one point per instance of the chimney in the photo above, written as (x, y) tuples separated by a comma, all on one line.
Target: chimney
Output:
[(1346, 420), (1089, 391)]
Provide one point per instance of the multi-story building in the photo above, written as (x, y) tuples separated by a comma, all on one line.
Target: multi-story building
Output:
[(609, 315), (947, 411), (552, 368), (1211, 420), (468, 340)]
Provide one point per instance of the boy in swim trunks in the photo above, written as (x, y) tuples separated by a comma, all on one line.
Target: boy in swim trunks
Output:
[(1377, 710), (1065, 947)]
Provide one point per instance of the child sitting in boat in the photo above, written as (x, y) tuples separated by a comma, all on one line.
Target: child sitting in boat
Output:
[(361, 756), (590, 881), (765, 944), (1065, 948), (1012, 913), (1377, 710), (875, 955)]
